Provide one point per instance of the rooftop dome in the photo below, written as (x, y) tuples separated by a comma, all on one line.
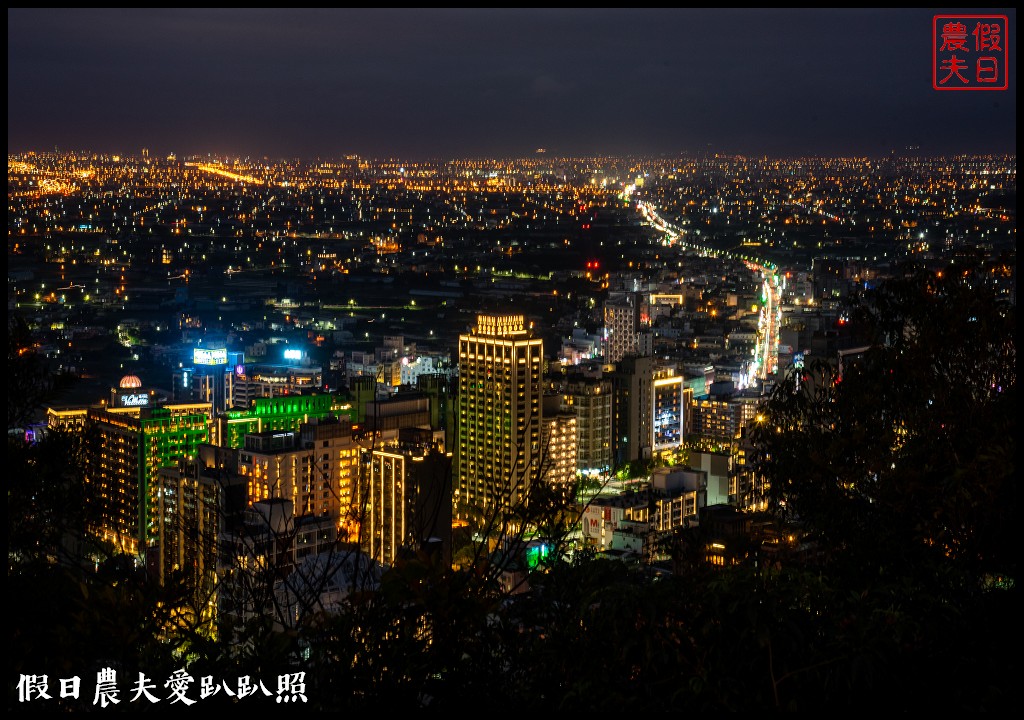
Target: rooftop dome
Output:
[(130, 381)]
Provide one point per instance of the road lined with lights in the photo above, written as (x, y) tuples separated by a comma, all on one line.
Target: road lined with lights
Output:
[(766, 351), (224, 172)]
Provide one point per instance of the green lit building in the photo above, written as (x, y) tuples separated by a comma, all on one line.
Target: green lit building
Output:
[(126, 452), (284, 413)]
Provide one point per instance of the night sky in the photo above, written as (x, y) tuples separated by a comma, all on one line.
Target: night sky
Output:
[(442, 84)]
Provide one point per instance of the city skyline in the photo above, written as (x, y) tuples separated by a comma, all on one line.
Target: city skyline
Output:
[(434, 83), (254, 439)]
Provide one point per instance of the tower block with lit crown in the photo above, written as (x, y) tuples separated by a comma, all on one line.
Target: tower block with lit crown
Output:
[(500, 404)]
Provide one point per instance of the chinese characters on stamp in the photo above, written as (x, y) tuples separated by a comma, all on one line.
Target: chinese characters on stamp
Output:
[(970, 52)]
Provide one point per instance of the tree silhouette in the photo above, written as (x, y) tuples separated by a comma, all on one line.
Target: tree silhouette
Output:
[(910, 444), (900, 462), (29, 380)]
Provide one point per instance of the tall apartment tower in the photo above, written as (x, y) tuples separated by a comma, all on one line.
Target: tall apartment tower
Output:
[(625, 327), (126, 449), (621, 325), (559, 442), (500, 409), (591, 400), (668, 413), (633, 404), (187, 519), (409, 499)]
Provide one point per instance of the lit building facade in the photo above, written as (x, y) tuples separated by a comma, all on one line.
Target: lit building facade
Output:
[(409, 501), (272, 413), (668, 411), (591, 400), (67, 419), (638, 522), (724, 418), (499, 413), (229, 386), (621, 327), (210, 379), (316, 469), (559, 445), (130, 393), (127, 448), (186, 526), (715, 419)]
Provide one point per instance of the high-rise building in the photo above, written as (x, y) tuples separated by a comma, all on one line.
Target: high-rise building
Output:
[(626, 326), (401, 410), (558, 444), (316, 469), (211, 378), (127, 448), (621, 326), (498, 453), (196, 501), (632, 382), (409, 499), (186, 518), (591, 400), (668, 411), (440, 388), (715, 419), (746, 484), (723, 415)]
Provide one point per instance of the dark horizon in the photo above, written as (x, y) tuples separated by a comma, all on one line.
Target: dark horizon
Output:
[(430, 84)]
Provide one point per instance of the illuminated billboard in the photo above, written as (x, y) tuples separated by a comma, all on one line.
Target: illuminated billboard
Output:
[(203, 356), (291, 354)]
